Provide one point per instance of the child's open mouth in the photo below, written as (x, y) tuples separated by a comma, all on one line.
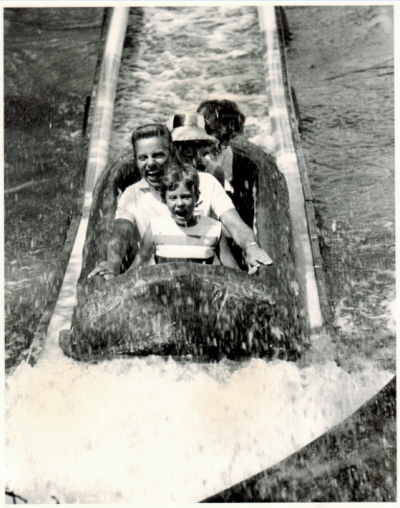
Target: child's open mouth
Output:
[(181, 217), (181, 214)]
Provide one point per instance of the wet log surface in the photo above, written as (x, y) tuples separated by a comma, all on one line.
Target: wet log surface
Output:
[(271, 222), (190, 309), (178, 309)]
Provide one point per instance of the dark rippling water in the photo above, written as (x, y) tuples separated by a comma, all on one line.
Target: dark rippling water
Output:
[(341, 65), (110, 427)]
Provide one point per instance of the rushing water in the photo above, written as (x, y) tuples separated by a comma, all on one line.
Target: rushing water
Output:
[(179, 57), (149, 430)]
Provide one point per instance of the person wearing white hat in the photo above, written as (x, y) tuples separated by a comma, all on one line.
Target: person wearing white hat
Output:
[(191, 143)]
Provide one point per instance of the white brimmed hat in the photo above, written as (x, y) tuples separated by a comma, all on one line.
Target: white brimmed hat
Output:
[(189, 127)]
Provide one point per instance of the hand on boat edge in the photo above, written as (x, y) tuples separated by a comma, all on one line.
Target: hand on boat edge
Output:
[(256, 256), (106, 269)]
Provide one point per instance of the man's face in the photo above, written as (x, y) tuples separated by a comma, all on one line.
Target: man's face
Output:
[(152, 158), (190, 152)]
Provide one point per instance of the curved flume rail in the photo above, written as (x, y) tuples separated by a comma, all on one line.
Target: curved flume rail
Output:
[(354, 461), (97, 160)]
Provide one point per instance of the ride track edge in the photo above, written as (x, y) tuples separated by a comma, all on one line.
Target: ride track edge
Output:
[(96, 161)]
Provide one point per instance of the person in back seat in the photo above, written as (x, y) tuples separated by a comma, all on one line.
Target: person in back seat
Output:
[(223, 120), (191, 143)]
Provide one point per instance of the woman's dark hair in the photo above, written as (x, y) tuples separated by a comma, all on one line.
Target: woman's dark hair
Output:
[(153, 130), (222, 112), (177, 174)]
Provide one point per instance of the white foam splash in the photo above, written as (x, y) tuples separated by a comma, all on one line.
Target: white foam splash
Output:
[(146, 430)]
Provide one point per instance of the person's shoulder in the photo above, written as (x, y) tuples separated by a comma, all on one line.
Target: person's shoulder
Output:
[(209, 164), (207, 179), (136, 187)]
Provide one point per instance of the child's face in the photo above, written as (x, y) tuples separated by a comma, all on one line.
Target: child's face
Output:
[(181, 203)]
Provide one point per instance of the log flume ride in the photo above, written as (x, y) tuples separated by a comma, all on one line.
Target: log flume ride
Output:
[(190, 310), (199, 312), (202, 313)]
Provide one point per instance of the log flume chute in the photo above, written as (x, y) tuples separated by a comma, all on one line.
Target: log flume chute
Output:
[(205, 314)]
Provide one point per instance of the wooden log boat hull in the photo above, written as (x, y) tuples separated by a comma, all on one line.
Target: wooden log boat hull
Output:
[(186, 309)]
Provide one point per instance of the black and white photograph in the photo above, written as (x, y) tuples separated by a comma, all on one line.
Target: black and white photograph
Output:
[(199, 252)]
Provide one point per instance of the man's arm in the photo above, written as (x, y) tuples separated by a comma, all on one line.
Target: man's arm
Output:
[(225, 255), (223, 208), (145, 252), (123, 232), (244, 237)]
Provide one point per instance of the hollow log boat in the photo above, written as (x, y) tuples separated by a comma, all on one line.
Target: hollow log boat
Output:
[(187, 310), (209, 312)]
